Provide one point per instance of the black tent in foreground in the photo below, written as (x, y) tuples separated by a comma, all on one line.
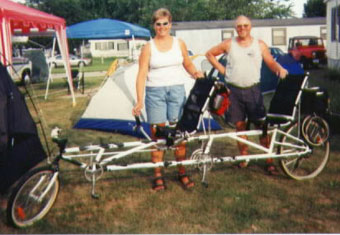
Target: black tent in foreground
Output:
[(20, 146)]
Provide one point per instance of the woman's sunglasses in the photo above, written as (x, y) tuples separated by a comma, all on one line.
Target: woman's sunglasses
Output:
[(160, 24)]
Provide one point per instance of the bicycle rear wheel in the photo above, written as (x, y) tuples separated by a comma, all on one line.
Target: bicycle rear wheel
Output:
[(307, 166), (33, 197)]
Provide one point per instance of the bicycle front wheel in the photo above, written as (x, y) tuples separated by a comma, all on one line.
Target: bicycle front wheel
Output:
[(307, 166), (33, 197)]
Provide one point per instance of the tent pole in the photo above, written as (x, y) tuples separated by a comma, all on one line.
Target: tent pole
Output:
[(49, 80), (2, 43), (133, 48), (82, 50), (63, 47), (7, 45)]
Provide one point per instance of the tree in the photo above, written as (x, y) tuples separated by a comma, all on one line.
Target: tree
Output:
[(314, 8), (140, 11), (70, 10)]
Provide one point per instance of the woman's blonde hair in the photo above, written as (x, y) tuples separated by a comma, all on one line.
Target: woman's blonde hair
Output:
[(161, 12)]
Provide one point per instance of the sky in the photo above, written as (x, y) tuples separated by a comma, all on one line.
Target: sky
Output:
[(297, 6)]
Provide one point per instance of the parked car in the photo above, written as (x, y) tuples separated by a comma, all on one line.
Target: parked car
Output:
[(22, 69), (276, 52), (57, 61), (311, 49)]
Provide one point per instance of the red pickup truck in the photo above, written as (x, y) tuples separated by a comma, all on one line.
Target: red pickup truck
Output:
[(310, 48)]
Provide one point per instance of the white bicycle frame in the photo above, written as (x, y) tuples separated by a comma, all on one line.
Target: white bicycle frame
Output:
[(103, 156)]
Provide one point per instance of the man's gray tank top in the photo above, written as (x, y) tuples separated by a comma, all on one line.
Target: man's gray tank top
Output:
[(243, 68)]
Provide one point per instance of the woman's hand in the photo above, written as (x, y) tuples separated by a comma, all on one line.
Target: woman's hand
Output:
[(137, 110)]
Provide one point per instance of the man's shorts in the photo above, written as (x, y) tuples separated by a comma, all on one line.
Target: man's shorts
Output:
[(164, 104), (245, 104)]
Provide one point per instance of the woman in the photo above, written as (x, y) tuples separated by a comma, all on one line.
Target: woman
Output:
[(161, 76)]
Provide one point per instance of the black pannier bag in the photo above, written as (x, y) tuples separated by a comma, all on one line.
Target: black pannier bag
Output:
[(20, 146), (314, 100)]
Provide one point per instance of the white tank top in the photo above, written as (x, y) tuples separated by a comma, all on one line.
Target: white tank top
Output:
[(166, 68), (243, 68)]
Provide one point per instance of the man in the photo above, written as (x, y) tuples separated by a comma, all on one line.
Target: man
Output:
[(242, 75)]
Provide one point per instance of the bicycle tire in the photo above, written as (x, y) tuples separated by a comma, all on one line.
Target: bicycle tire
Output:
[(23, 207), (315, 130), (308, 166)]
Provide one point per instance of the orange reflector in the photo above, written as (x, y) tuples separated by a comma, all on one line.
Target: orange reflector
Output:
[(21, 213)]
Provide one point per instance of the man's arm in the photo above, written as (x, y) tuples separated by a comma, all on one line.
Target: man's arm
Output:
[(270, 62), (221, 48)]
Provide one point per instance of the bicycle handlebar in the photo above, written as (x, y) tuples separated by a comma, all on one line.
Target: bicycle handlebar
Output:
[(138, 122)]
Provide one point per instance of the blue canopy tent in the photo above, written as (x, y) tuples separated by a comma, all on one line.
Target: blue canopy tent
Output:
[(106, 29)]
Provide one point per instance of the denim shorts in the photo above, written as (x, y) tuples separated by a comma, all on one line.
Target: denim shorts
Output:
[(245, 104), (164, 104)]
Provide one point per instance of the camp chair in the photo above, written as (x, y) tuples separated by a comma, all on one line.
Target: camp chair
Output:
[(78, 78)]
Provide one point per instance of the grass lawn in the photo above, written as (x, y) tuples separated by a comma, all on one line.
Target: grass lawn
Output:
[(236, 200)]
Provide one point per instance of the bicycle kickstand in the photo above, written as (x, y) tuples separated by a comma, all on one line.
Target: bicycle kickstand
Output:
[(93, 193), (204, 182)]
